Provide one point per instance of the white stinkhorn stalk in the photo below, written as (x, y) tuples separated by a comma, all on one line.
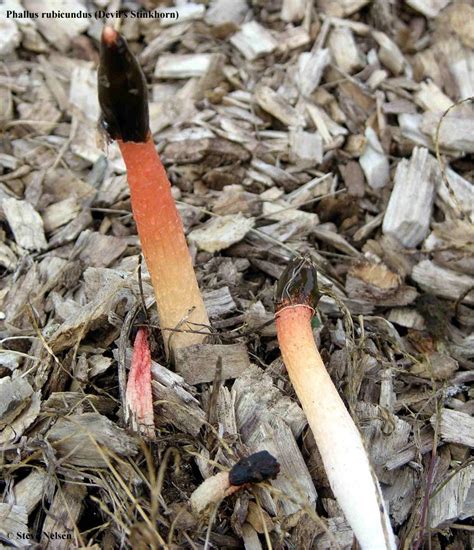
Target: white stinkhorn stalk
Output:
[(339, 442)]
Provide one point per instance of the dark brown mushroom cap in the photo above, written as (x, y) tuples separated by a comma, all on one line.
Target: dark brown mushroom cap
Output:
[(254, 468), (123, 95), (298, 284)]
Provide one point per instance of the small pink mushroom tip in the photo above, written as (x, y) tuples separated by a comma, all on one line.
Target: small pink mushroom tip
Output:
[(109, 36)]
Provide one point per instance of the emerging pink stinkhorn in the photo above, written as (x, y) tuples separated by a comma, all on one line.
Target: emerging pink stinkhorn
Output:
[(124, 105), (252, 469), (339, 442), (138, 397)]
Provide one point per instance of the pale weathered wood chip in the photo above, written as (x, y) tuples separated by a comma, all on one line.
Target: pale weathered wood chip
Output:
[(374, 161), (455, 133), (60, 213), (341, 8), (383, 432), (278, 106), (292, 38), (30, 490), (15, 396), (376, 283), (14, 525), (90, 440), (311, 66), (344, 50), (197, 364), (59, 31), (60, 526), (182, 65), (294, 479), (406, 317), (306, 149), (25, 223), (222, 232), (83, 91), (455, 427), (23, 421), (98, 250), (423, 444), (443, 282), (408, 213), (253, 40), (460, 16), (454, 499), (429, 8), (431, 98), (190, 11), (461, 188), (221, 12), (10, 35), (66, 402), (174, 402), (389, 53), (283, 211), (219, 302), (91, 315), (293, 10), (257, 401), (340, 531), (166, 38), (250, 537)]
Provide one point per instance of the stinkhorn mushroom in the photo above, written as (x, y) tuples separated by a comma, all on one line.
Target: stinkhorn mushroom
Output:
[(339, 442), (252, 469), (124, 104), (138, 397)]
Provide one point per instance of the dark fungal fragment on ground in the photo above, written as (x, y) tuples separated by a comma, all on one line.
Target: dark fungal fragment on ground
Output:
[(254, 468)]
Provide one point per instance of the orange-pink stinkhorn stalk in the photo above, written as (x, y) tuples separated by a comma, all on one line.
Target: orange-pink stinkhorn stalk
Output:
[(339, 442), (124, 105), (138, 397)]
